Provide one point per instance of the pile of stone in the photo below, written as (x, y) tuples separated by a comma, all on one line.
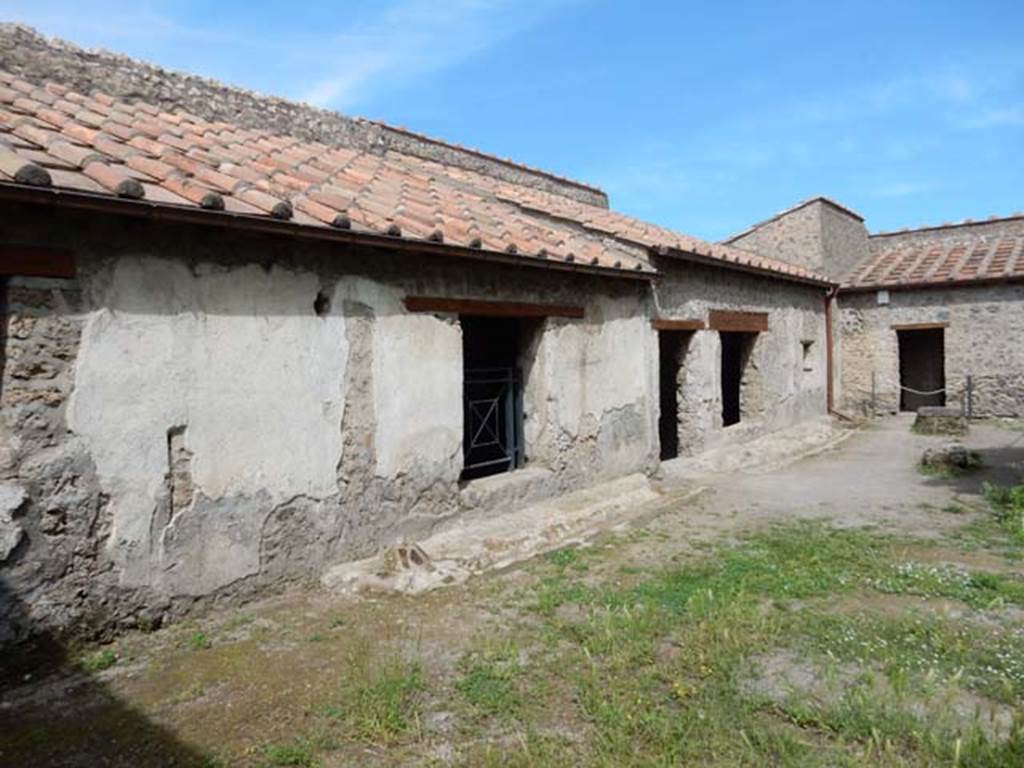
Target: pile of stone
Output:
[(952, 458), (940, 421)]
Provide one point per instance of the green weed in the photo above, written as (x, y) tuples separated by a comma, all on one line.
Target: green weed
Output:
[(976, 588), (298, 754), (1007, 505), (99, 661), (488, 680), (379, 701)]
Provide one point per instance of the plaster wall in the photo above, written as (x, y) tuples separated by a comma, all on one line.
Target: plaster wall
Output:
[(201, 415), (782, 386), (982, 337)]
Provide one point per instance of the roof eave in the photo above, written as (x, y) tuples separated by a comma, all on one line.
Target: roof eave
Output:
[(932, 285), (710, 261), (77, 200)]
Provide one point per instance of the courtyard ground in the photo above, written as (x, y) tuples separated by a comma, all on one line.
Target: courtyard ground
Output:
[(842, 610)]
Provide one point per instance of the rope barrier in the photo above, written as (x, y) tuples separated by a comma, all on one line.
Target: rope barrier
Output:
[(919, 392)]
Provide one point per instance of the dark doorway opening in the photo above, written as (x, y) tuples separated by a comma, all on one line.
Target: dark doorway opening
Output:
[(922, 368), (672, 347), (492, 351), (736, 350)]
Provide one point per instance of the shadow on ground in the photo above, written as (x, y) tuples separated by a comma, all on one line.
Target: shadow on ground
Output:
[(45, 671), (1000, 465)]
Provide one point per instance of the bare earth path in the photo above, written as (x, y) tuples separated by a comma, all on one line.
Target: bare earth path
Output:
[(632, 650)]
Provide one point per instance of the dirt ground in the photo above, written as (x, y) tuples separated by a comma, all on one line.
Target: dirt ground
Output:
[(324, 680)]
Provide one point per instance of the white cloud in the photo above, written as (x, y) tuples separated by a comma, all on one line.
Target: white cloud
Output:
[(137, 20), (412, 38), (948, 88)]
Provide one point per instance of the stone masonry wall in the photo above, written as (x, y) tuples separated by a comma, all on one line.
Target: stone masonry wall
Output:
[(782, 386), (817, 235), (202, 415), (844, 241), (25, 52), (793, 237), (982, 338), (944, 235)]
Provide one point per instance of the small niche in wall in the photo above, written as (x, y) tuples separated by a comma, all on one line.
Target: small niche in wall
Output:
[(807, 358), (321, 304)]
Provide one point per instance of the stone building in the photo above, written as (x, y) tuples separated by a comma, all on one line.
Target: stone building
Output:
[(931, 316), (245, 340)]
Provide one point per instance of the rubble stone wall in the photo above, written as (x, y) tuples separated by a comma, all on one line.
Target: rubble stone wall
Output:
[(984, 326), (202, 415)]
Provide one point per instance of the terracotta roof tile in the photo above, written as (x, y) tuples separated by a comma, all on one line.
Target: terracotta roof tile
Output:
[(947, 255), (104, 145)]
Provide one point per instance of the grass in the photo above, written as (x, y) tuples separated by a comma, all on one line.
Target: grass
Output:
[(99, 661), (1007, 505), (379, 701), (488, 680), (646, 707), (593, 663), (298, 754), (979, 589)]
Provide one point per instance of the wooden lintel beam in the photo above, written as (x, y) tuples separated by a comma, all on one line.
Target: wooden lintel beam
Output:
[(668, 324), (490, 308), (35, 261), (743, 322), (919, 326)]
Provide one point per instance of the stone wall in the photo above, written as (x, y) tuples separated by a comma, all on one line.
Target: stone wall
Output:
[(818, 235), (793, 237), (28, 54), (982, 338), (782, 386), (950, 233), (203, 415), (844, 242)]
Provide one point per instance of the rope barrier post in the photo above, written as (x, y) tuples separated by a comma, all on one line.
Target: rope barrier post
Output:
[(874, 411), (970, 396)]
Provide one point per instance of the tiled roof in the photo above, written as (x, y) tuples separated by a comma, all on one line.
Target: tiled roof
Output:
[(617, 225), (52, 136), (948, 257), (423, 137)]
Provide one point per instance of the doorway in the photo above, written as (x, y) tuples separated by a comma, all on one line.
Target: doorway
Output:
[(922, 367), (492, 352), (736, 352), (672, 347)]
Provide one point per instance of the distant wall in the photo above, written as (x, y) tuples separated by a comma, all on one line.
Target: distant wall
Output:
[(983, 333), (817, 235), (794, 237), (844, 242), (25, 52), (949, 234)]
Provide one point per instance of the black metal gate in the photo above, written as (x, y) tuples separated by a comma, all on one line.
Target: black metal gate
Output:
[(493, 421)]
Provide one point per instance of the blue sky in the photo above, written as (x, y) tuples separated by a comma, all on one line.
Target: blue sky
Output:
[(699, 117)]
